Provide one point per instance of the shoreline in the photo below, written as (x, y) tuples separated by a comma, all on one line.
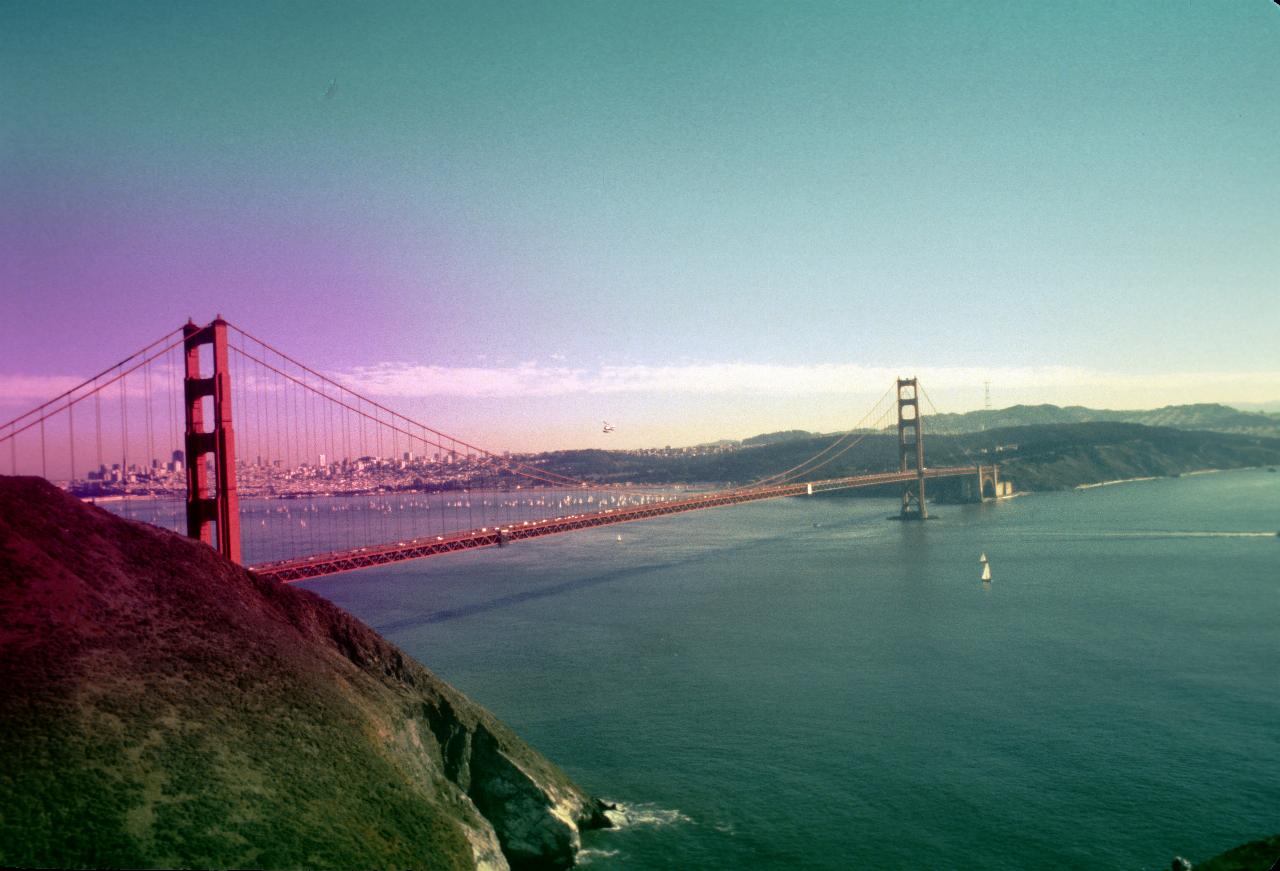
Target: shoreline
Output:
[(1153, 478), (1116, 481)]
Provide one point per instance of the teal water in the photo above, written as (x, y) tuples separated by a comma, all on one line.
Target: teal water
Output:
[(803, 683)]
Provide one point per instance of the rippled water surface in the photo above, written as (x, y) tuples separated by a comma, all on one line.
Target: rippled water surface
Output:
[(804, 683)]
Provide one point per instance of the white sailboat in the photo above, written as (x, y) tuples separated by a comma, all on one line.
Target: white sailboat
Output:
[(986, 570)]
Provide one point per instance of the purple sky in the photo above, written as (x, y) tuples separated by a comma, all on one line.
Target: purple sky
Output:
[(695, 222)]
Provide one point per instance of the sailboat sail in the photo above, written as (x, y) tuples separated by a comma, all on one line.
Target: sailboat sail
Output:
[(986, 571)]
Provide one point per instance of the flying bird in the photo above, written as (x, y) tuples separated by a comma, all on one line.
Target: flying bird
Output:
[(608, 427)]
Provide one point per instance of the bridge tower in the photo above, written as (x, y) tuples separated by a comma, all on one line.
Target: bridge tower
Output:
[(911, 450), (222, 507)]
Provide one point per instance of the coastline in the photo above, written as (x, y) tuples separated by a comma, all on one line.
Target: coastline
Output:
[(1116, 481), (1152, 478)]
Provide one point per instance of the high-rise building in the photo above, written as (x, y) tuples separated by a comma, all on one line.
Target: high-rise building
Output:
[(178, 457), (322, 464)]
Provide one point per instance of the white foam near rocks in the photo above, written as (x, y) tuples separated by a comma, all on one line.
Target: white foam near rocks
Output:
[(624, 815), (585, 857)]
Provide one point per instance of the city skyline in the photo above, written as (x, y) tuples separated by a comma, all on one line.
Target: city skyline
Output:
[(695, 223)]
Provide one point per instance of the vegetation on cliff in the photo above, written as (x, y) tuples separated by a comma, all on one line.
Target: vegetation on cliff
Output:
[(1260, 855), (165, 708)]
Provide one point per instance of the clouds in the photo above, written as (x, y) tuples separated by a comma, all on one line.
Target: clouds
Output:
[(34, 389), (533, 380), (779, 392)]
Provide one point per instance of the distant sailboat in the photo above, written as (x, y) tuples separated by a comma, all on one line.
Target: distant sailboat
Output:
[(619, 536), (983, 558), (986, 571)]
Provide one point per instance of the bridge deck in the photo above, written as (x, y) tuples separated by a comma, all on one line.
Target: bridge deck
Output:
[(348, 560)]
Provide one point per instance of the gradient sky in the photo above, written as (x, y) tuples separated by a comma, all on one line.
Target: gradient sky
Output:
[(697, 220)]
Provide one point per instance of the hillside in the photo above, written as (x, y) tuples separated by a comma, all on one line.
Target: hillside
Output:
[(1205, 416), (163, 708), (1044, 457), (1258, 855), (1061, 457), (1210, 417)]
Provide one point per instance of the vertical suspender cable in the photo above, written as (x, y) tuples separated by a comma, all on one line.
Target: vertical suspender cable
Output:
[(275, 429), (151, 444), (173, 409), (284, 396), (307, 453), (173, 435), (124, 445), (346, 436), (71, 430), (97, 416), (466, 488)]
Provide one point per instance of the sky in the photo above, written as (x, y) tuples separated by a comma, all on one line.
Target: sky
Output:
[(695, 220)]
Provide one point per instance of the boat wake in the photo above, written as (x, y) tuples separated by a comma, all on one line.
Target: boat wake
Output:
[(1157, 533), (1188, 534)]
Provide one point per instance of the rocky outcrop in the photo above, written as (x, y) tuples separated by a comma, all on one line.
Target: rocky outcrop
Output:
[(1260, 855), (164, 708)]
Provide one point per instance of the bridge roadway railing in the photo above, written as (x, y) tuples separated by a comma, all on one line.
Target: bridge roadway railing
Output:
[(302, 568)]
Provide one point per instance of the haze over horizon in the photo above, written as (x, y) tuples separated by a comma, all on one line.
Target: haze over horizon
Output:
[(696, 222)]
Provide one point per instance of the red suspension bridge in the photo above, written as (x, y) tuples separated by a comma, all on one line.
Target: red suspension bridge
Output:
[(285, 470)]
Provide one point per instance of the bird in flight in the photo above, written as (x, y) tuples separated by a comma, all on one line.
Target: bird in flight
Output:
[(608, 427)]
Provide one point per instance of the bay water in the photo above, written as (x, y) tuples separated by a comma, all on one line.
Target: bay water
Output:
[(804, 683)]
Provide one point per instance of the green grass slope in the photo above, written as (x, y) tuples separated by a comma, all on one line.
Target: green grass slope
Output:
[(163, 708)]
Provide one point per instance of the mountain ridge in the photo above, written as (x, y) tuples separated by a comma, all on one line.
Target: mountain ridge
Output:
[(1034, 457), (1208, 416)]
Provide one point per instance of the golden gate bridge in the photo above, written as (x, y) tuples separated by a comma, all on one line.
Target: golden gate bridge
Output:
[(334, 481)]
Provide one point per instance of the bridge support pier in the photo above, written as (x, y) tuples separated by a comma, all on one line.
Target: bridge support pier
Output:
[(911, 449), (984, 485), (221, 508)]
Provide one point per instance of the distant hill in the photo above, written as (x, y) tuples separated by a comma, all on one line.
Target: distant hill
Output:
[(773, 438), (163, 708), (1063, 456), (1035, 457), (1211, 417)]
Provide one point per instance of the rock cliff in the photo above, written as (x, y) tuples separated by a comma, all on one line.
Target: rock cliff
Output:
[(164, 708)]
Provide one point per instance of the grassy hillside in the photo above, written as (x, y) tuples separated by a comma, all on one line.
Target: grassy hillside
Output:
[(1204, 416), (163, 708), (1045, 457), (1060, 457)]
